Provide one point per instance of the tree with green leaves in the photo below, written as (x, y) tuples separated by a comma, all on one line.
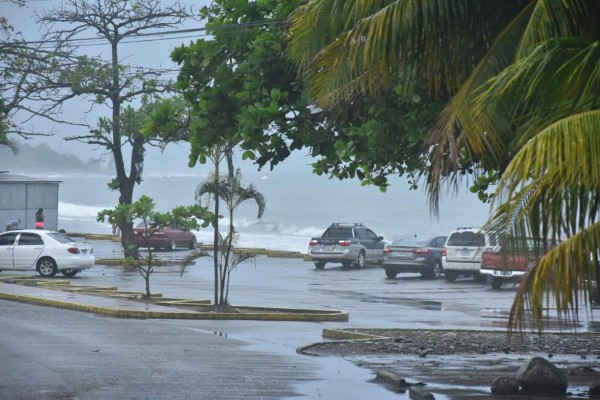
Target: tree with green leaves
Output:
[(521, 82), (230, 190), (191, 217), (243, 89), (23, 93), (109, 82)]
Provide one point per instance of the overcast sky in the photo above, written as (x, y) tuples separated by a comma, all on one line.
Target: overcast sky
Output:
[(154, 53)]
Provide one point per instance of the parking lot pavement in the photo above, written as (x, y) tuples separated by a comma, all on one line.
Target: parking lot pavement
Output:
[(100, 305), (54, 292)]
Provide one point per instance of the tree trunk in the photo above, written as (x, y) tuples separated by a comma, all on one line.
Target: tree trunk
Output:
[(216, 235), (127, 238)]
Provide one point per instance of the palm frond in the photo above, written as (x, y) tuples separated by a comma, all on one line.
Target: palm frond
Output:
[(191, 258), (458, 127), (560, 78), (387, 40), (563, 155), (239, 258), (563, 279), (552, 19), (551, 189)]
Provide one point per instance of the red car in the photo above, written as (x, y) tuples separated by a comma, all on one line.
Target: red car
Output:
[(169, 237), (510, 265)]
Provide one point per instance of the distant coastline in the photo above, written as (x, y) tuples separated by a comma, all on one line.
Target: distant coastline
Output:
[(32, 159)]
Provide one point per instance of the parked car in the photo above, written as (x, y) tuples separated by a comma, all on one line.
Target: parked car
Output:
[(44, 251), (346, 243), (170, 237), (509, 261), (462, 253), (414, 253)]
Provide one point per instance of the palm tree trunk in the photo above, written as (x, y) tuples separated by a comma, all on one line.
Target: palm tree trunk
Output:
[(216, 235)]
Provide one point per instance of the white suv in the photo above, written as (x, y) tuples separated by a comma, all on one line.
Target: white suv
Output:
[(462, 253)]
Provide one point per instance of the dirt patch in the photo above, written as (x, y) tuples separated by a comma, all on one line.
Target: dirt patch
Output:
[(463, 364)]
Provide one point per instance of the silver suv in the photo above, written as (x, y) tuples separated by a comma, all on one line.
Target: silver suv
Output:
[(346, 243), (462, 253)]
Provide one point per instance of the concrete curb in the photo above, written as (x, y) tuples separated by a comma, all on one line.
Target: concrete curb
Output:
[(342, 335), (60, 294), (117, 313), (267, 314)]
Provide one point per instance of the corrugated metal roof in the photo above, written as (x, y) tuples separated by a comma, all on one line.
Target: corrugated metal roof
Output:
[(9, 178)]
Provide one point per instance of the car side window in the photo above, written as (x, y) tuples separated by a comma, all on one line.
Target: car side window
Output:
[(366, 234), (29, 239), (440, 241), (8, 239)]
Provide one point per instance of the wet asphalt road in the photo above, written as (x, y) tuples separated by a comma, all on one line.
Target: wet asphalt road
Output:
[(100, 358)]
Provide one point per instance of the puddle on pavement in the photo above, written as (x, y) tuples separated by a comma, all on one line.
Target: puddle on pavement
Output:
[(366, 298), (327, 377), (341, 379)]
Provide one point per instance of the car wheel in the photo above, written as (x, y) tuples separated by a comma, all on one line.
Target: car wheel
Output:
[(69, 273), (360, 260), (390, 274), (497, 283), (193, 243), (171, 245), (346, 264), (319, 265), (450, 276), (437, 270), (47, 268)]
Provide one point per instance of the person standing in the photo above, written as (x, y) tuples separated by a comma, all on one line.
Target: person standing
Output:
[(12, 225), (39, 218)]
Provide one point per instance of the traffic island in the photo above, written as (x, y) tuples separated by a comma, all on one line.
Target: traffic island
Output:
[(110, 301)]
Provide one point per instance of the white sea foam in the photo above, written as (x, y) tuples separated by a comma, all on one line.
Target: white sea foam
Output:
[(77, 211), (298, 207)]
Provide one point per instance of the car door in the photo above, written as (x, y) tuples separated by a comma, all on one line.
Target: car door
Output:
[(175, 233), (438, 245), (7, 244), (179, 233), (27, 249), (372, 243)]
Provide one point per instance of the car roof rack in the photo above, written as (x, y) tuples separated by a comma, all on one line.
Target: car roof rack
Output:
[(346, 224)]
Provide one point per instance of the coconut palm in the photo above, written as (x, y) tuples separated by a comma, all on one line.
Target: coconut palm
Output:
[(522, 83), (229, 189)]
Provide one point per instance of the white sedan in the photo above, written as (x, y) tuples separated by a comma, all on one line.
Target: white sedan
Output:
[(47, 252)]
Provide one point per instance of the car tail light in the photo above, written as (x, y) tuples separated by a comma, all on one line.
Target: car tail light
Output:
[(313, 243), (387, 250), (73, 250), (443, 252), (421, 252), (344, 243)]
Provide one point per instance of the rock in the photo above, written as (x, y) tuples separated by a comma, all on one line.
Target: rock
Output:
[(540, 377), (505, 385), (417, 393), (391, 377), (595, 390)]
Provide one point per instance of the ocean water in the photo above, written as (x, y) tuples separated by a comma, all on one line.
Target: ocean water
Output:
[(299, 205)]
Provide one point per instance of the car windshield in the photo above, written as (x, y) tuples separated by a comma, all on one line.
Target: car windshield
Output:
[(338, 233), (61, 237), (467, 238), (142, 225), (411, 240)]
